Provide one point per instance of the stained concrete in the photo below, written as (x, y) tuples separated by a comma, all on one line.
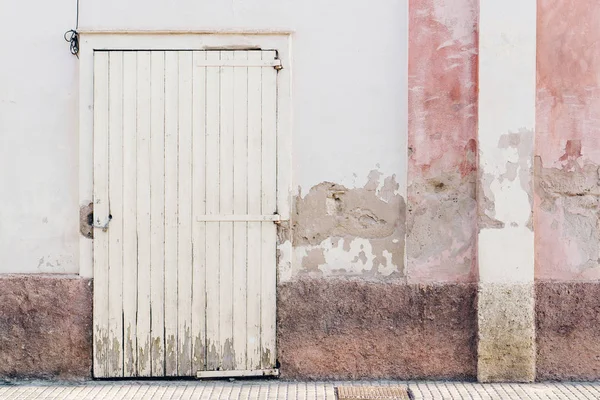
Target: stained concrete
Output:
[(506, 332), (568, 334), (349, 329), (45, 327)]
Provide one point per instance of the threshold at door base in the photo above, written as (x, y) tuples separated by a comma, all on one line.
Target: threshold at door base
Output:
[(236, 374)]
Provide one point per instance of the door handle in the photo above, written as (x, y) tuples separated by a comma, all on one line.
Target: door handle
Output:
[(103, 226)]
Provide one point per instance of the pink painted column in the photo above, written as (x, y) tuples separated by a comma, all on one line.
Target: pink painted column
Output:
[(567, 189), (567, 223), (442, 121)]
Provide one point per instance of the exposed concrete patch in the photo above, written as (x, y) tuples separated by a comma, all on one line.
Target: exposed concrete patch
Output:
[(351, 329), (517, 149), (284, 261), (332, 210), (506, 323), (441, 228), (86, 220), (519, 165), (313, 259), (568, 202), (342, 231), (45, 327), (568, 338), (487, 203)]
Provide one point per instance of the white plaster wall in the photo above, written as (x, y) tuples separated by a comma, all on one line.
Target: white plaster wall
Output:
[(507, 85), (39, 209), (349, 102), (507, 93)]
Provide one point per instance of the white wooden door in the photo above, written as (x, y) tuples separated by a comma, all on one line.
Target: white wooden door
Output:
[(185, 169)]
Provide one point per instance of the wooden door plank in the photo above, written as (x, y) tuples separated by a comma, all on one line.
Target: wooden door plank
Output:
[(213, 344), (143, 212), (269, 206), (171, 175), (254, 208), (115, 231), (226, 208), (198, 209), (240, 207), (184, 238), (129, 214), (102, 353), (157, 213)]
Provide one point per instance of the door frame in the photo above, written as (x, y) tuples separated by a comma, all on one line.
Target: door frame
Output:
[(180, 40)]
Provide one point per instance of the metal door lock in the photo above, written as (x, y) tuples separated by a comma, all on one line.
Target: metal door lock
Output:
[(104, 226)]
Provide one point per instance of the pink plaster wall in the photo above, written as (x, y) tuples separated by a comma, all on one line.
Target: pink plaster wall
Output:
[(442, 130), (567, 144)]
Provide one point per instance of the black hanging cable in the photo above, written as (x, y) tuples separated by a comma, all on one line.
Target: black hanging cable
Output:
[(72, 36)]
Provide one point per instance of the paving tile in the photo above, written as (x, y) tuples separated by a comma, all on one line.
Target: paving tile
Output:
[(283, 390)]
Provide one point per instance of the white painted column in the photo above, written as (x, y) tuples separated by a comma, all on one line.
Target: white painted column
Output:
[(507, 84)]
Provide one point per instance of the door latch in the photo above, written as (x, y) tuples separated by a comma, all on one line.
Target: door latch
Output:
[(103, 226)]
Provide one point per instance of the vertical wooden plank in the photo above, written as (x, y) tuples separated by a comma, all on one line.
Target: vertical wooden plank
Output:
[(226, 207), (240, 207), (198, 209), (269, 206), (102, 354), (213, 343), (115, 233), (85, 136), (157, 215), (130, 213), (143, 212), (254, 208), (171, 176), (184, 239)]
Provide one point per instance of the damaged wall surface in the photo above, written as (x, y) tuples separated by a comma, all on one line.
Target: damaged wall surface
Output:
[(379, 275), (567, 189), (442, 147), (349, 136), (339, 231), (350, 306), (568, 141)]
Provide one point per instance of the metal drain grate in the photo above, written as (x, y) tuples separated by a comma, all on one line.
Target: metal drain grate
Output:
[(373, 393)]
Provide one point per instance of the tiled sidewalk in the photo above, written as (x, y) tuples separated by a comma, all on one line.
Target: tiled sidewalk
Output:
[(273, 389)]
